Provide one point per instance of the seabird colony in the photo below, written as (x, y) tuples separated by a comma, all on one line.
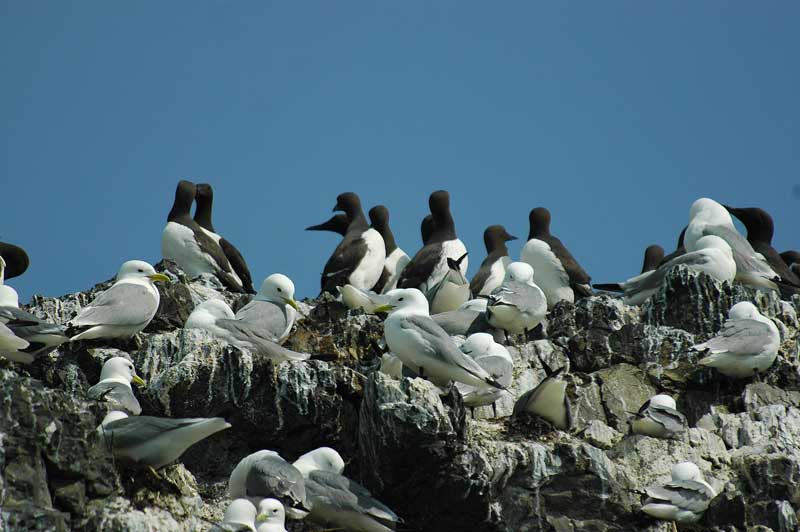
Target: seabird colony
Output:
[(439, 326)]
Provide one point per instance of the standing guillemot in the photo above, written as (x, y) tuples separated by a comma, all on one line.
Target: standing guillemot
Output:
[(396, 258), (493, 267)]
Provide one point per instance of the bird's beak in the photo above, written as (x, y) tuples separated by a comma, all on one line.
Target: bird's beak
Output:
[(156, 277), (138, 381), (510, 237), (262, 517), (384, 308), (317, 227), (292, 303)]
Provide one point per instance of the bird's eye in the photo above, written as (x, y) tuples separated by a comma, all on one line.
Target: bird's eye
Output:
[(400, 299), (275, 511), (279, 290), (141, 270)]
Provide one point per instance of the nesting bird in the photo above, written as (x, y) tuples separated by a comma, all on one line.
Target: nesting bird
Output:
[(707, 217), (747, 343), (264, 474), (712, 255), (273, 310), (358, 259), (658, 417), (423, 346), (518, 305), (155, 441), (684, 499), (556, 271), (114, 385), (215, 316), (124, 309), (185, 243), (548, 399), (496, 360), (334, 498)]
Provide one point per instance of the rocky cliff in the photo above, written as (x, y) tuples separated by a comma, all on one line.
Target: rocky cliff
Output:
[(417, 450)]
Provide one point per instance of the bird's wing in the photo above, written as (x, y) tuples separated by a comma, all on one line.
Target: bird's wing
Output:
[(272, 476), (669, 418), (266, 317), (345, 258), (131, 431), (238, 264), (420, 267), (436, 343), (685, 494), (344, 494), (739, 337), (519, 295), (122, 304), (261, 341), (743, 252), (577, 275), (117, 393)]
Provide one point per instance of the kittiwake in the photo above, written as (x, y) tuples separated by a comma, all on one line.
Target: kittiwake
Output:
[(265, 474), (271, 516), (155, 441), (423, 346), (658, 417), (273, 310), (684, 499), (746, 344), (124, 309), (518, 305), (240, 516), (114, 385), (496, 360)]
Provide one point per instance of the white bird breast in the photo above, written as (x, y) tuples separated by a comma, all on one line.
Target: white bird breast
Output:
[(369, 269)]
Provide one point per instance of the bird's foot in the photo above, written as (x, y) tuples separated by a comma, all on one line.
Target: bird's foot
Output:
[(154, 473)]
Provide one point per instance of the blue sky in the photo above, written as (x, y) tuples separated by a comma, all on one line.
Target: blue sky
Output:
[(614, 115)]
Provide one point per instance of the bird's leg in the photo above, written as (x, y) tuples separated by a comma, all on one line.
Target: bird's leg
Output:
[(508, 341), (422, 373), (154, 473), (472, 411), (674, 527), (494, 409)]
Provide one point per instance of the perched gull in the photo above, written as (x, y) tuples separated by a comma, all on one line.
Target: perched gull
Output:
[(155, 441), (760, 229), (240, 516), (557, 272), (271, 516), (496, 360), (548, 400), (712, 255), (422, 345), (115, 385), (707, 217), (452, 291), (493, 268), (517, 305), (204, 196), (683, 499), (124, 309), (747, 343), (15, 259), (467, 321), (39, 336), (429, 264), (659, 418), (273, 310), (185, 243), (396, 258), (217, 317), (337, 500), (335, 224), (265, 474), (355, 298), (359, 257), (653, 256)]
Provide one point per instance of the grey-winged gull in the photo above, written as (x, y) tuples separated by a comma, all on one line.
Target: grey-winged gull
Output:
[(264, 474), (271, 516), (115, 385), (712, 256), (124, 309), (707, 217), (336, 499), (273, 310), (684, 499), (423, 346), (215, 316), (658, 417), (496, 360), (518, 304), (240, 516), (556, 271), (155, 441), (746, 344)]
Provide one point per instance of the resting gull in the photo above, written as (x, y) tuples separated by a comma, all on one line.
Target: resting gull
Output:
[(115, 385)]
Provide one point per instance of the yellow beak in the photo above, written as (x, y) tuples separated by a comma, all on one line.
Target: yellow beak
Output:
[(138, 381), (262, 517), (158, 277), (384, 308), (292, 303)]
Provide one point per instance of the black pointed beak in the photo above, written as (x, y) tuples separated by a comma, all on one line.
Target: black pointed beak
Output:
[(510, 237), (315, 227)]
